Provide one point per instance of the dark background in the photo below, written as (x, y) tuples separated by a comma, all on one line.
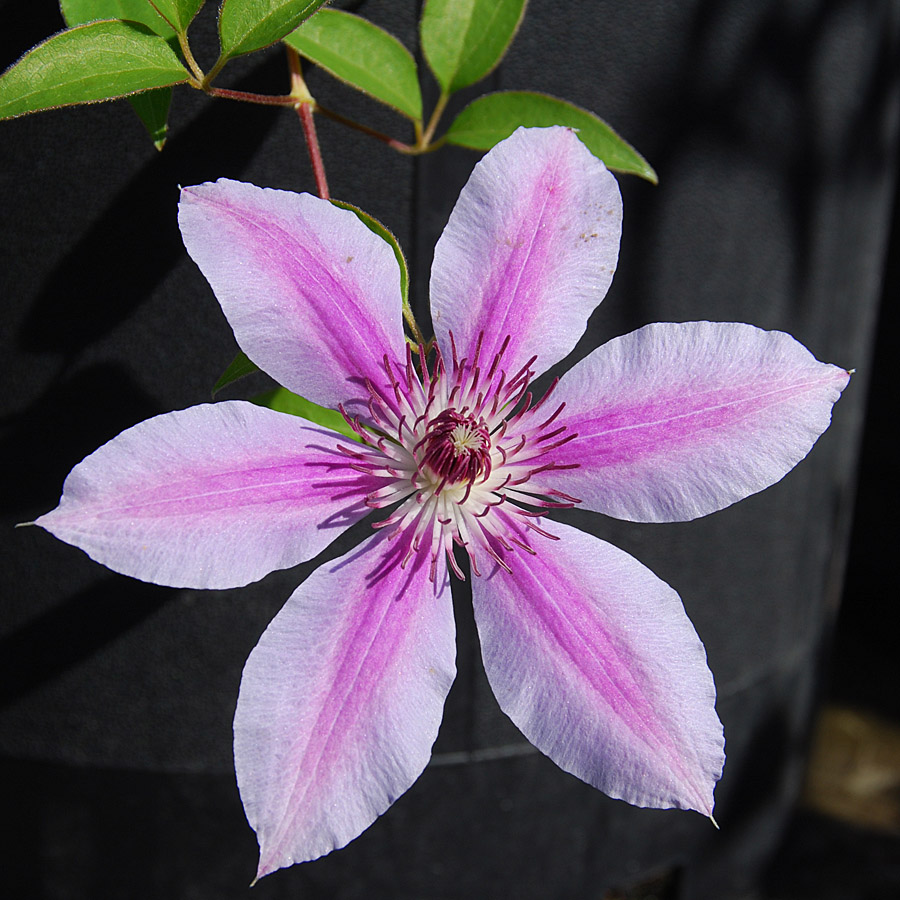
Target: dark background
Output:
[(774, 129)]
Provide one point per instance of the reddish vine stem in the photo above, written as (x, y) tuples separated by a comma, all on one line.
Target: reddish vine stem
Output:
[(305, 111), (371, 132), (246, 97), (306, 106)]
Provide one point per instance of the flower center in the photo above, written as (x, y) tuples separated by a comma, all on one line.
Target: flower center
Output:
[(456, 448)]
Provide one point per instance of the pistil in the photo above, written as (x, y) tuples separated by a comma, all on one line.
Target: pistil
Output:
[(456, 448)]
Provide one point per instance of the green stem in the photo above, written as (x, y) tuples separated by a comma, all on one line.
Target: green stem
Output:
[(220, 64), (299, 90), (438, 111), (189, 58), (413, 324)]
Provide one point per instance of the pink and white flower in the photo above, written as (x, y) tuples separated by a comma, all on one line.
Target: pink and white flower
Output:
[(588, 652)]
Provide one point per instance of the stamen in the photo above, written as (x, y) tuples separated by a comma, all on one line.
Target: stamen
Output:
[(525, 372), (478, 344), (524, 546), (547, 394), (453, 466), (498, 393), (553, 434), (395, 382), (498, 357), (559, 409), (410, 372), (423, 368), (455, 565), (453, 352)]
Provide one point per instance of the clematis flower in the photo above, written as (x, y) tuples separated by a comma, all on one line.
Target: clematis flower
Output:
[(587, 651)]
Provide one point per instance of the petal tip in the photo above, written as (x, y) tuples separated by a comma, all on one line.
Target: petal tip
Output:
[(265, 867), (43, 521)]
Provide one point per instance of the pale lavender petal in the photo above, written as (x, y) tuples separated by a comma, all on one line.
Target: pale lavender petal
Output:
[(529, 251), (593, 658), (341, 701), (210, 497), (675, 421), (312, 294)]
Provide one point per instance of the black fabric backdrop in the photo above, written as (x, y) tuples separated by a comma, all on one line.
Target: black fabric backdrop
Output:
[(773, 127)]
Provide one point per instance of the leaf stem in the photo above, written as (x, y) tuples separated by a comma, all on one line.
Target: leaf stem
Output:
[(220, 64), (196, 71), (246, 97), (436, 114), (413, 324), (299, 90), (371, 132)]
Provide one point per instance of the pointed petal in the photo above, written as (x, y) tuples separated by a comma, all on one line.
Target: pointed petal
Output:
[(529, 251), (341, 701), (675, 421), (210, 497), (593, 658), (312, 294)]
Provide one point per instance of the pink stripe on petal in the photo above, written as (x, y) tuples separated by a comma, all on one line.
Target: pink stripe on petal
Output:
[(341, 701), (593, 658), (529, 251), (675, 421), (210, 497), (312, 294)]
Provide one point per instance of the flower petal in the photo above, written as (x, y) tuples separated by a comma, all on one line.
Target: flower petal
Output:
[(341, 701), (675, 421), (529, 251), (593, 658), (210, 497), (312, 294)]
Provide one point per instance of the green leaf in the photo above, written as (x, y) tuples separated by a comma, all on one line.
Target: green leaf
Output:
[(86, 64), (80, 12), (247, 25), (282, 400), (464, 39), (382, 231), (152, 108), (363, 55), (494, 117), (240, 366), (179, 13)]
